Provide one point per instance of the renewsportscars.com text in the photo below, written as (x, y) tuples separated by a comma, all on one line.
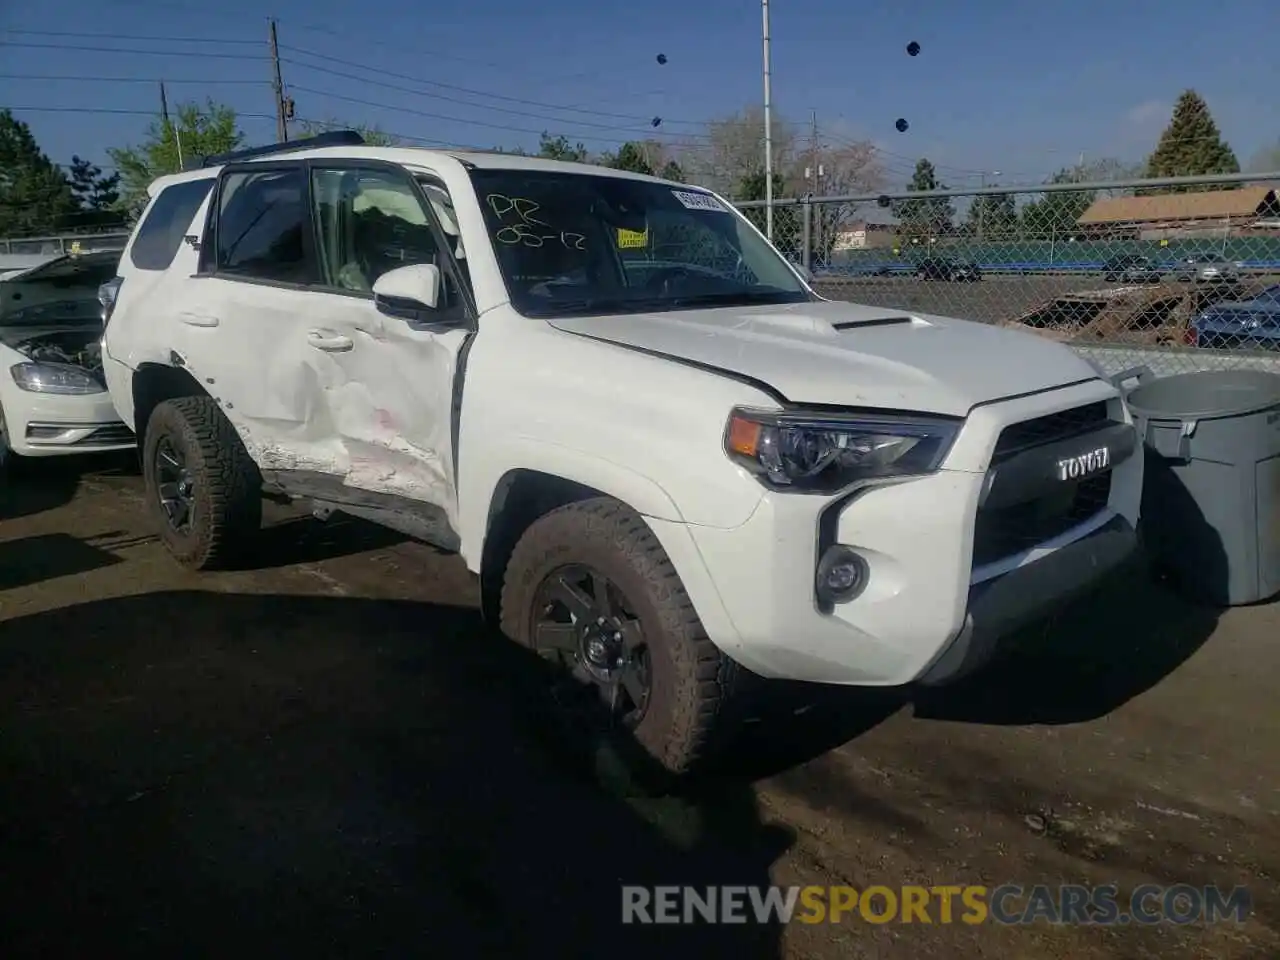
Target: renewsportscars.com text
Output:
[(1008, 904)]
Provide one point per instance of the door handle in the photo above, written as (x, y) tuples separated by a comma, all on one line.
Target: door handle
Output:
[(198, 320), (330, 344)]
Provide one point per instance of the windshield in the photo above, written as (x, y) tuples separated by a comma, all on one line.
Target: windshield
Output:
[(574, 243)]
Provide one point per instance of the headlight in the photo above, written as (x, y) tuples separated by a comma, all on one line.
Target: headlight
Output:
[(55, 378), (823, 453)]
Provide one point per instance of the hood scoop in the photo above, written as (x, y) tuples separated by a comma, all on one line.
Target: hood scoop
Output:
[(877, 322)]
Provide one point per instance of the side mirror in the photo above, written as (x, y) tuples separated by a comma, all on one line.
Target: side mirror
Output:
[(410, 293)]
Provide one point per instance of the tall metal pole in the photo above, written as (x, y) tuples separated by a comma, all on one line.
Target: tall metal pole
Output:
[(282, 124), (768, 127), (168, 124)]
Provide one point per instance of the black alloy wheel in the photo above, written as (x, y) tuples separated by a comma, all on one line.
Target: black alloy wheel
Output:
[(175, 485), (584, 624)]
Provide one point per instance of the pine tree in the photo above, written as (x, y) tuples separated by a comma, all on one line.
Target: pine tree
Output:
[(929, 216), (35, 196), (993, 216), (93, 189), (1191, 145)]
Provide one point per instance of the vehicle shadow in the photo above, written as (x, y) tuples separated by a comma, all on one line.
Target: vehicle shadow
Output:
[(1091, 658), (290, 537), (32, 486), (1110, 646), (193, 774), (30, 560)]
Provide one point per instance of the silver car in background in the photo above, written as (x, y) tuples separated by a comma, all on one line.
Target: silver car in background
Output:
[(1207, 268)]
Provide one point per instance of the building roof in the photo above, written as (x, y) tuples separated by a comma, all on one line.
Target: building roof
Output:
[(1204, 205)]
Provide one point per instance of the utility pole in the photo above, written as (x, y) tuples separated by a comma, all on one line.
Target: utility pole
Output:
[(164, 105), (813, 174), (768, 127), (282, 111), (168, 124)]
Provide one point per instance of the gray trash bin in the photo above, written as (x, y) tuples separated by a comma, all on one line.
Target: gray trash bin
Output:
[(1211, 497)]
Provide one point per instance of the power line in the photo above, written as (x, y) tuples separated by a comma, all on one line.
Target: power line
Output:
[(194, 82), (480, 93), (128, 36), (142, 53), (123, 112), (438, 96), (439, 116), (435, 54)]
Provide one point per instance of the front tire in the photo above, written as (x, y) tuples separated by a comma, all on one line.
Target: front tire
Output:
[(203, 488), (589, 588)]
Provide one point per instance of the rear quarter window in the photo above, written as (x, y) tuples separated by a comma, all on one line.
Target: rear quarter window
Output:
[(165, 224)]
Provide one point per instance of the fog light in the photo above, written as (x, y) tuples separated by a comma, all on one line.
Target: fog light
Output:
[(842, 575)]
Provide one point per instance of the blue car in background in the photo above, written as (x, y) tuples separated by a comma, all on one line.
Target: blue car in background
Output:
[(1246, 323)]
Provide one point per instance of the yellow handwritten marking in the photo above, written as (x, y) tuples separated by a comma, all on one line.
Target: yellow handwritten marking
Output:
[(630, 239)]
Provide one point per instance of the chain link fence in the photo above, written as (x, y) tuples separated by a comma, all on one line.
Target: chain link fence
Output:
[(1179, 274)]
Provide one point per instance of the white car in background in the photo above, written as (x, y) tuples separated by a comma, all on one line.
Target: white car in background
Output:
[(52, 397)]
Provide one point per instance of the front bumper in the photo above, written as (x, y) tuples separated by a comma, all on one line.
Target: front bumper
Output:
[(934, 605), (48, 425)]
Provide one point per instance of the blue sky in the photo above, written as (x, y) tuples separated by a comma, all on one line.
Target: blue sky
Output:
[(1020, 88)]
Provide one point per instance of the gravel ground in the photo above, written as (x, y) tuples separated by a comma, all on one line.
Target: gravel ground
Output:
[(327, 756)]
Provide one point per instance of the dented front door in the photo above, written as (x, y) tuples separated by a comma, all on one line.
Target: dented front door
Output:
[(391, 405)]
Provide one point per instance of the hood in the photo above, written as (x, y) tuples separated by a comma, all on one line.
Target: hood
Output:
[(850, 355)]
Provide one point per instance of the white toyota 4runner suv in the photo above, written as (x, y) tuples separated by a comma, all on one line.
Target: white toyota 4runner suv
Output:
[(664, 455)]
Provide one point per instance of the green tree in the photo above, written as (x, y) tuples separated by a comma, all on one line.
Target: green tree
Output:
[(993, 217), (1055, 214), (672, 171), (35, 195), (630, 156), (559, 148), (373, 135), (93, 189), (925, 217), (198, 131), (1191, 146)]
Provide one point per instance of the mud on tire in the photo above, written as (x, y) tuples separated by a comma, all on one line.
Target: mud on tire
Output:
[(226, 488), (690, 678)]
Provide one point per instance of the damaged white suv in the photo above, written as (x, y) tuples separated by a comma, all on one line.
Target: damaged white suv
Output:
[(663, 454)]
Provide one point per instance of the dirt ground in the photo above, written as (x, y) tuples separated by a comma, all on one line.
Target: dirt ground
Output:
[(327, 756)]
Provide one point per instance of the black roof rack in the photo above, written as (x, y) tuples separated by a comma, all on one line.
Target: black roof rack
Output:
[(333, 138)]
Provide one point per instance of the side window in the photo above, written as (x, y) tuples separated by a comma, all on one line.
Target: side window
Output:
[(166, 223), (262, 226), (368, 222)]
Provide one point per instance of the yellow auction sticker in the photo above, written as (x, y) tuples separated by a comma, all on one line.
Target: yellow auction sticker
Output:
[(631, 239)]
